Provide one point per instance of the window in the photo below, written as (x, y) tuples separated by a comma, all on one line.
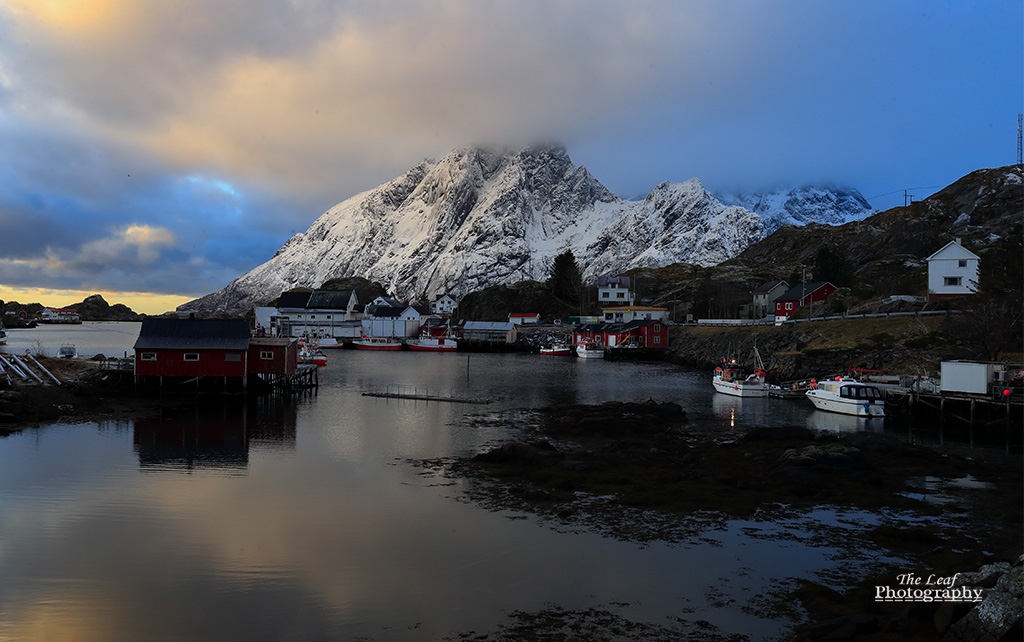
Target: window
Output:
[(952, 281), (657, 339), (232, 356), (191, 356), (148, 356), (657, 327), (961, 263), (620, 295), (789, 306), (266, 354)]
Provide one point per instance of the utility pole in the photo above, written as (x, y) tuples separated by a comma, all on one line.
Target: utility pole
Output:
[(1020, 131)]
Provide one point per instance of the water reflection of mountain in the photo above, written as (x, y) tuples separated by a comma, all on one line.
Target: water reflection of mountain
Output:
[(214, 435)]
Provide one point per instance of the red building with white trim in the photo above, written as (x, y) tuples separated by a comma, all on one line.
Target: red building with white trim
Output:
[(192, 348), (803, 294)]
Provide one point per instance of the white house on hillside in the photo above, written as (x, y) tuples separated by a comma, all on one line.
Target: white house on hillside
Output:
[(953, 271), (444, 304), (614, 290)]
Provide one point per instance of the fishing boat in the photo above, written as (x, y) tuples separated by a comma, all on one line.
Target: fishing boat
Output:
[(433, 344), (589, 350), (67, 351), (732, 379), (378, 343), (848, 396), (556, 350)]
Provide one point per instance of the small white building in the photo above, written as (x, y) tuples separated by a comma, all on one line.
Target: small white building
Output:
[(524, 318), (953, 271), (614, 290), (444, 304), (628, 313), (765, 295), (392, 321)]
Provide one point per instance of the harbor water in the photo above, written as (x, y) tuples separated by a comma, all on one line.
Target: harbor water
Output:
[(311, 518)]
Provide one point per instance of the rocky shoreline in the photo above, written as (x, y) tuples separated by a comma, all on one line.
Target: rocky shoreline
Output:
[(645, 472)]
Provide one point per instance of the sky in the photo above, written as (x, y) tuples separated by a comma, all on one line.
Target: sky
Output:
[(152, 151)]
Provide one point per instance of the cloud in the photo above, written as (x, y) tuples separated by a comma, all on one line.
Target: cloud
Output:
[(232, 125)]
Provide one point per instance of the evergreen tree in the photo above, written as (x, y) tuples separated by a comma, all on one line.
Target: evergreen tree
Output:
[(565, 279)]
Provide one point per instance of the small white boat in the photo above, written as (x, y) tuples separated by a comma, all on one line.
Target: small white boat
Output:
[(556, 350), (433, 344), (3, 336), (589, 350), (378, 343), (848, 396), (68, 351), (731, 379)]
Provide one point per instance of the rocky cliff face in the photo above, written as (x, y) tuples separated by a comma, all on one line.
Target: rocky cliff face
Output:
[(829, 204), (482, 217)]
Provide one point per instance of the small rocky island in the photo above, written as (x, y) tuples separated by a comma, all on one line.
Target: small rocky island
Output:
[(647, 472)]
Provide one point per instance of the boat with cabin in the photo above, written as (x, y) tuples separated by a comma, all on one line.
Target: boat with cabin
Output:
[(377, 343), (433, 344), (732, 379), (589, 350), (3, 335), (67, 351), (556, 350), (848, 396)]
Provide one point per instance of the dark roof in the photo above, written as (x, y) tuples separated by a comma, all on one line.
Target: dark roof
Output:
[(329, 300), (800, 291), (193, 334), (640, 323), (598, 327), (621, 281), (769, 286), (269, 341), (422, 309), (294, 299), (385, 310)]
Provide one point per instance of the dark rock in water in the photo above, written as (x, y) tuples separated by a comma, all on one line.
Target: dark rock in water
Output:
[(517, 452)]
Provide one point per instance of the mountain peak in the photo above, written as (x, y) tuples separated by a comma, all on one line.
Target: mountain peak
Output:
[(485, 215)]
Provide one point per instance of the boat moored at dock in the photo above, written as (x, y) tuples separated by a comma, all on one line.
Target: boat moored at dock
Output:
[(433, 344), (848, 396), (378, 343)]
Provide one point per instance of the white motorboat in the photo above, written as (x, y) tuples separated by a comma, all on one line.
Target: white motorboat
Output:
[(433, 344), (378, 343), (68, 351), (3, 336), (848, 396), (731, 379), (589, 350)]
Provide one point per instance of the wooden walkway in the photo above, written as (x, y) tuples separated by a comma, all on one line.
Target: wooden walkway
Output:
[(426, 397)]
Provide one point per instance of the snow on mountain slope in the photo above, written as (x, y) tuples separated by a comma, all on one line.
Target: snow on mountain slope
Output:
[(798, 206), (479, 217)]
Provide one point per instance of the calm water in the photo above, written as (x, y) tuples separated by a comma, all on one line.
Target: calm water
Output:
[(110, 338), (303, 520)]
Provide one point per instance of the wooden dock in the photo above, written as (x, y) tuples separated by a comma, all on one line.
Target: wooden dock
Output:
[(426, 397)]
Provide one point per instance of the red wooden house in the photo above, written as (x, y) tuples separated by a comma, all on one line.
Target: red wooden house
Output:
[(645, 334), (602, 334), (273, 356), (803, 294), (192, 349)]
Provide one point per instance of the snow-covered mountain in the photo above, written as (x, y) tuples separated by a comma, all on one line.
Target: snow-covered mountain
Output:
[(481, 217), (801, 205)]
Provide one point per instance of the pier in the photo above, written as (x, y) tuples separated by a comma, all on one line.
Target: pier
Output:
[(427, 397)]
